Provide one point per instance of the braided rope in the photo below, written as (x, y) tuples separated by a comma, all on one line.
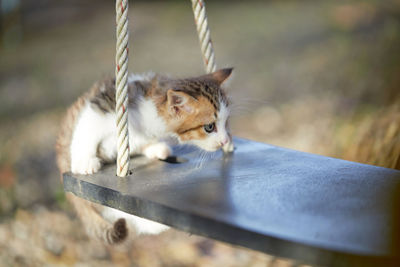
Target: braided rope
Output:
[(121, 86), (200, 18)]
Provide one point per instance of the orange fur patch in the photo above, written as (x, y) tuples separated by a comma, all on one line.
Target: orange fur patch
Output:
[(189, 126)]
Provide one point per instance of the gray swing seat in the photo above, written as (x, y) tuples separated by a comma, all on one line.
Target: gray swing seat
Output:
[(311, 208)]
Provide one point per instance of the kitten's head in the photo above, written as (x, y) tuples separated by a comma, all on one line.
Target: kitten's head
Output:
[(197, 109)]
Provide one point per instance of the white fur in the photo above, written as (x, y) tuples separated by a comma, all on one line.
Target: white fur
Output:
[(91, 129), (223, 114), (137, 224), (157, 151), (224, 136), (228, 147), (148, 76), (95, 129)]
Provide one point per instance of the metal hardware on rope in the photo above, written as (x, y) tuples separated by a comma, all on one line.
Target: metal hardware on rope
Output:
[(200, 18), (121, 87)]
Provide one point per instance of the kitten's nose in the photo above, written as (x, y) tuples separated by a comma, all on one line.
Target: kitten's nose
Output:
[(225, 141)]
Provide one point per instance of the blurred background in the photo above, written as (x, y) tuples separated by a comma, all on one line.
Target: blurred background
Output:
[(316, 76)]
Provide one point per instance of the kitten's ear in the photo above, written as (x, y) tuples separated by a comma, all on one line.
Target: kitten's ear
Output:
[(178, 102), (220, 76)]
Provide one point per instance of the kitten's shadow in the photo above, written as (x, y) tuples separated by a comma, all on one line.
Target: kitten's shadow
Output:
[(175, 160)]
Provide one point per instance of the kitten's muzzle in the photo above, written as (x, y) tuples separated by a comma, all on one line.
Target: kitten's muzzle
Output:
[(224, 142)]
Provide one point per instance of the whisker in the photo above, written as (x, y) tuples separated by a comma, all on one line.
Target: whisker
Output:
[(200, 162), (202, 159), (199, 156), (247, 105)]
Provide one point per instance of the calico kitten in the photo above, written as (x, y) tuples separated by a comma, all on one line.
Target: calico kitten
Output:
[(193, 111)]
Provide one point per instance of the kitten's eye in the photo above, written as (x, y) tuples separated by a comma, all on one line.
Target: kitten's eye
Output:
[(209, 127)]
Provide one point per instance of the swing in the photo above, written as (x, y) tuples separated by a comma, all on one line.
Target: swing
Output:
[(310, 208)]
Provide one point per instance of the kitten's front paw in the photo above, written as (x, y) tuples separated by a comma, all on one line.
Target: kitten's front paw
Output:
[(86, 166), (157, 151), (228, 147)]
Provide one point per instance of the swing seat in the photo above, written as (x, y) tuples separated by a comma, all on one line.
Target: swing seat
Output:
[(311, 208)]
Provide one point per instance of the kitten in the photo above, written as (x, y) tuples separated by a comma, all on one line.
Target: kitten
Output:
[(193, 111)]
